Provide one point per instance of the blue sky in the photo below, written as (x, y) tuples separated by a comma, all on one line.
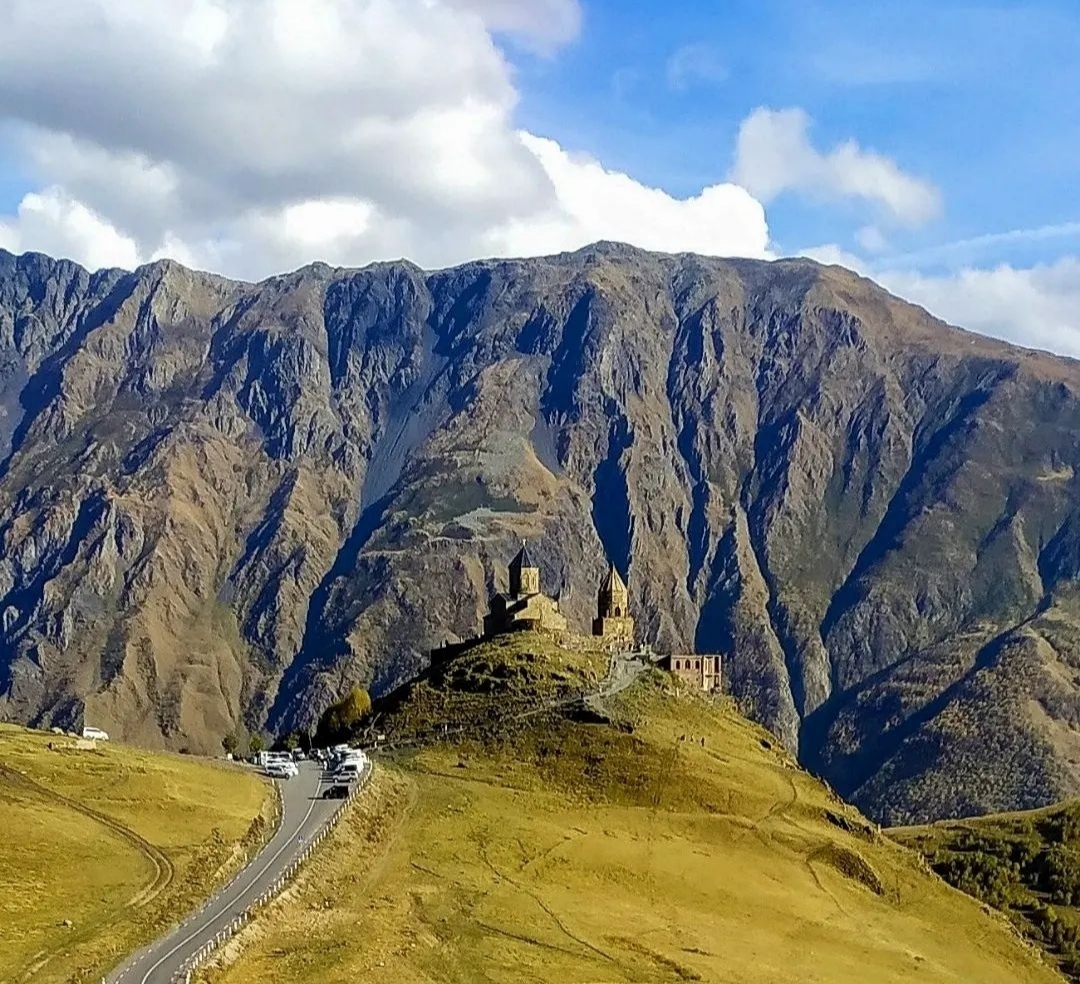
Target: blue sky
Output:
[(979, 98), (931, 146)]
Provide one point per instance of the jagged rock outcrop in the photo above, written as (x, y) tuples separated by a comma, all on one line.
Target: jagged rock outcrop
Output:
[(223, 504)]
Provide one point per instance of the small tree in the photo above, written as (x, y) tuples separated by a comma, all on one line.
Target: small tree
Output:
[(230, 743), (291, 742), (341, 720), (257, 744)]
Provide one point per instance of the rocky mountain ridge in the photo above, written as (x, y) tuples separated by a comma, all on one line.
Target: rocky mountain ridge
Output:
[(222, 504)]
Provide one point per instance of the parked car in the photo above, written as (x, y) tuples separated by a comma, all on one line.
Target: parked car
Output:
[(282, 769), (349, 771), (95, 734)]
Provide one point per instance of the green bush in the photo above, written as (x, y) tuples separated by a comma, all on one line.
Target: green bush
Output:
[(986, 876), (341, 720), (1027, 867)]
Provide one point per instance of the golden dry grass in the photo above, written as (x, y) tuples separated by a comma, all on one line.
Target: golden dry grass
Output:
[(689, 849), (104, 847)]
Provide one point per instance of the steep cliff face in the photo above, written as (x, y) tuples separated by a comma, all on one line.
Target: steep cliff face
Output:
[(224, 503)]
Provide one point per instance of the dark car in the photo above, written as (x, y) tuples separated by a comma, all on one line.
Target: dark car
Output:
[(340, 790)]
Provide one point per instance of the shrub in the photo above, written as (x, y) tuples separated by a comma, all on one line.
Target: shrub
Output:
[(341, 720)]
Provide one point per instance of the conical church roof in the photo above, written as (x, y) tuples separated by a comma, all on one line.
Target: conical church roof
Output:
[(612, 583), (522, 560)]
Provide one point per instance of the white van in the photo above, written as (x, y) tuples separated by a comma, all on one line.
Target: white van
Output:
[(94, 734)]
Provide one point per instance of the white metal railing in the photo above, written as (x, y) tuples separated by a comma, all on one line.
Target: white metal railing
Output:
[(207, 950)]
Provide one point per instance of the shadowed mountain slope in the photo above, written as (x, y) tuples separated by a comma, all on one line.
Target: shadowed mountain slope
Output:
[(225, 503)]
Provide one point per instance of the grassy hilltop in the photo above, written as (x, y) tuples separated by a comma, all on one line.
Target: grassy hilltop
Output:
[(104, 847), (673, 841)]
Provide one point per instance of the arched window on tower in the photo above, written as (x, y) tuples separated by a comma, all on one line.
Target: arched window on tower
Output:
[(618, 612)]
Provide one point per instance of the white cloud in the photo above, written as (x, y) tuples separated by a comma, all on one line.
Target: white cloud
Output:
[(264, 134), (964, 250), (693, 64), (593, 203), (52, 222), (871, 239), (774, 155), (1038, 307), (833, 255), (543, 23)]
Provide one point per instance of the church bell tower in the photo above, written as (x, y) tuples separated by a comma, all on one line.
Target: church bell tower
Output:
[(524, 575), (613, 624)]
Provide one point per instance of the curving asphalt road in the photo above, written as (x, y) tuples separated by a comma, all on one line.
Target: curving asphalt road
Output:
[(305, 813)]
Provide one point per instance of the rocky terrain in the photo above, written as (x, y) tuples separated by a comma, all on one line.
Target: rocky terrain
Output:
[(222, 504)]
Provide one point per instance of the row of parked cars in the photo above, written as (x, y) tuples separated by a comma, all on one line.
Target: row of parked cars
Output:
[(342, 766)]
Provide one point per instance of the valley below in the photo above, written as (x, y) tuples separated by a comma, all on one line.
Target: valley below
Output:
[(107, 846)]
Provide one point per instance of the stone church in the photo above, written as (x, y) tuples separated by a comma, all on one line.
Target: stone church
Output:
[(525, 606)]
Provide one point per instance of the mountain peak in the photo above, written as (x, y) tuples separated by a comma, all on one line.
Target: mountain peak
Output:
[(228, 502)]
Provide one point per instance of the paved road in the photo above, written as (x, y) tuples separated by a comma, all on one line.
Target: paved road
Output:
[(623, 670), (305, 814)]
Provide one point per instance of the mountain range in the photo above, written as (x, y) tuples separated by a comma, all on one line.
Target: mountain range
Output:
[(223, 504)]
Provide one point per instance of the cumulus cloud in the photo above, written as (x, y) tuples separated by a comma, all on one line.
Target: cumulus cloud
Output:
[(53, 222), (774, 154), (264, 134), (1037, 306), (593, 203)]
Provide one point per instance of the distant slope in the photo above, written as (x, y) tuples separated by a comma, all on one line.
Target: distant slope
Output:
[(676, 843), (1025, 864), (226, 503), (106, 846)]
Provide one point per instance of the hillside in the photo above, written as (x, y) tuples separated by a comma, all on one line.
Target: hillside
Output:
[(677, 842), (106, 846), (1025, 864), (222, 504)]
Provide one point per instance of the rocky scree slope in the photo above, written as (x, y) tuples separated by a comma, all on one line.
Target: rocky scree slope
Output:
[(222, 504)]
